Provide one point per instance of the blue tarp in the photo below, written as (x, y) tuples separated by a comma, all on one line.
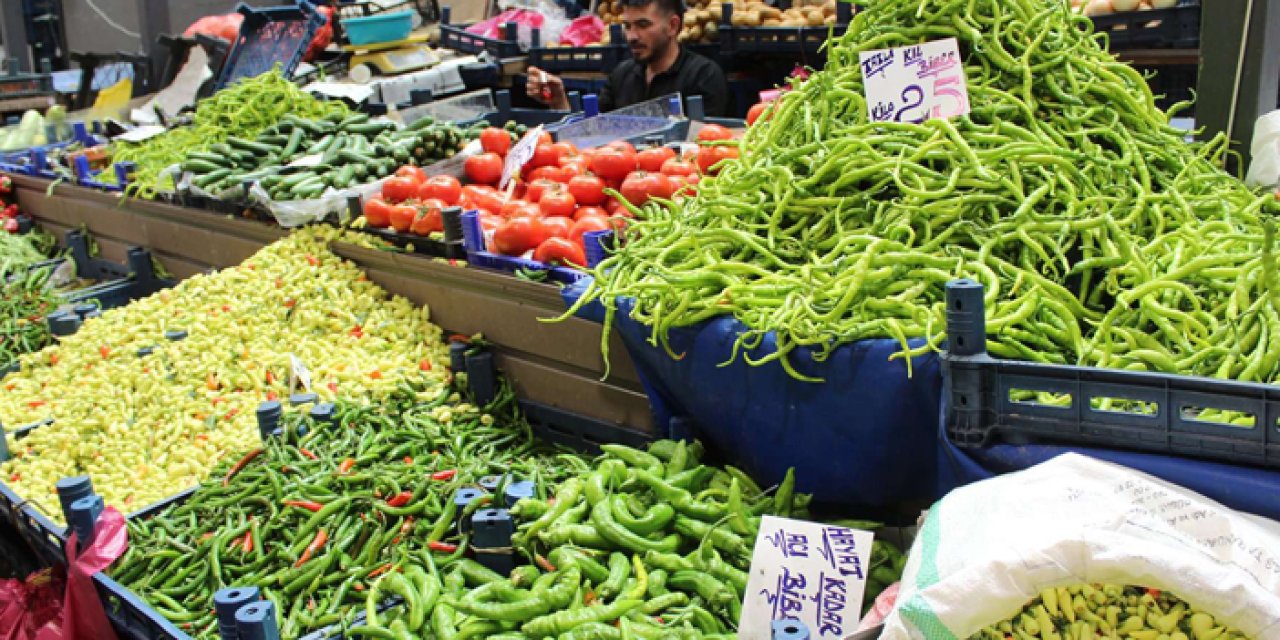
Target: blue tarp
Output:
[(865, 437), (869, 436)]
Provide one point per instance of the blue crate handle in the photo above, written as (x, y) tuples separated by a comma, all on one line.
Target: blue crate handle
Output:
[(257, 621), (226, 602), (591, 105)]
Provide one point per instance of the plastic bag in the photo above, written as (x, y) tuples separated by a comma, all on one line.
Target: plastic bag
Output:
[(295, 213), (583, 31), (987, 549), (225, 26), (83, 617), (28, 605), (882, 607), (544, 15), (1264, 168)]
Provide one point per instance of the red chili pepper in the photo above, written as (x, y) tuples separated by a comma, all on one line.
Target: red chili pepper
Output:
[(271, 377), (105, 351), (333, 386), (357, 331), (588, 598), (1154, 593), (408, 460), (271, 395), (35, 404), (447, 474), (377, 572), (307, 453), (248, 457), (543, 563), (442, 547), (15, 477), (231, 414), (320, 539), (53, 358), (375, 374), (248, 542), (400, 499), (458, 337), (309, 505), (406, 526), (313, 261), (425, 365), (346, 465), (288, 304)]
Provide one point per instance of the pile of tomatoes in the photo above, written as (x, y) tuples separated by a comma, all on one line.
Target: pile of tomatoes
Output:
[(558, 197)]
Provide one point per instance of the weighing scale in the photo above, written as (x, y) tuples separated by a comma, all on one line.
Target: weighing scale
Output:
[(389, 58)]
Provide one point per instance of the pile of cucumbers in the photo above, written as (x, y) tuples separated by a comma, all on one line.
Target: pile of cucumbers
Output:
[(341, 153)]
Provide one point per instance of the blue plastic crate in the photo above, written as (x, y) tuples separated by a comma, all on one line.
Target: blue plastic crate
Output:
[(35, 161), (270, 36), (381, 27), (598, 59), (478, 256), (456, 37)]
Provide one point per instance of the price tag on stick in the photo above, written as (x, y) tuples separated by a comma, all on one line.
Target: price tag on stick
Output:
[(519, 156), (298, 374), (807, 571), (915, 83)]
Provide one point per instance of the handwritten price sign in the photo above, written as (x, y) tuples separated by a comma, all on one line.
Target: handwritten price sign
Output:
[(915, 83), (806, 571)]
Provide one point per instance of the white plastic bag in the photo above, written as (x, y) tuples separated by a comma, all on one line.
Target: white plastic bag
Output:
[(295, 213), (987, 549), (1264, 167)]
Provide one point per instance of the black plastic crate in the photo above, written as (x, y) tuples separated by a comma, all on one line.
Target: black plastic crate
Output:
[(1171, 84), (40, 533), (988, 400), (270, 36), (455, 36), (450, 247), (781, 40), (1176, 28), (599, 59), (25, 85)]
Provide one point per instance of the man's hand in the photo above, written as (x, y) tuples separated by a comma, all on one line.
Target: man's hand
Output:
[(547, 89)]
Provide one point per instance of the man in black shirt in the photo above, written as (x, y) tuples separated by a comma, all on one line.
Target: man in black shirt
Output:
[(659, 65)]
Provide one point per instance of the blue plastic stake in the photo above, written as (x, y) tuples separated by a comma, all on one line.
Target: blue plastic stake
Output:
[(445, 13), (677, 109), (463, 498), (83, 519), (226, 602), (122, 172), (596, 244), (695, 108), (79, 132), (302, 398), (535, 38), (174, 335), (966, 319), (83, 172), (71, 489), (452, 217), (490, 483), (591, 105), (146, 351), (790, 629), (472, 233), (502, 100), (85, 308), (63, 323), (481, 377), (519, 490), (257, 621), (323, 412), (510, 31), (458, 357), (269, 413), (4, 445)]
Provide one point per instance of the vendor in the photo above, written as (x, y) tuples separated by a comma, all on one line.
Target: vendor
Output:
[(659, 65)]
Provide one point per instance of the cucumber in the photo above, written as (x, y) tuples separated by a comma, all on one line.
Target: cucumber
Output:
[(222, 149), (196, 165), (312, 127), (350, 156), (353, 119), (321, 146), (252, 147), (297, 179), (312, 183), (295, 140), (273, 141), (211, 177), (220, 160), (369, 128), (343, 177), (330, 154)]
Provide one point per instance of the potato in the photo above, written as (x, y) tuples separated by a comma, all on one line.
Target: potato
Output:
[(695, 33), (773, 22), (710, 31), (717, 11), (829, 20), (829, 9), (770, 13), (746, 18), (814, 18), (703, 16)]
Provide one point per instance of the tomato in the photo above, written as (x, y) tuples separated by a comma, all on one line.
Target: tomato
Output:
[(570, 170), (517, 208), (757, 110), (534, 190), (653, 158), (714, 132), (495, 140), (488, 198), (554, 174), (518, 235), (413, 173), (642, 185), (446, 188), (429, 219), (484, 168), (545, 155), (544, 137), (488, 221), (557, 203), (709, 157), (377, 213), (557, 227), (399, 189), (614, 207), (623, 146), (582, 212), (683, 186), (560, 251), (678, 167), (588, 190), (612, 164), (565, 150), (402, 217), (587, 224), (471, 192)]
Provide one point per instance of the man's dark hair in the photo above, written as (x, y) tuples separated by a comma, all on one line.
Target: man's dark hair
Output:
[(667, 6)]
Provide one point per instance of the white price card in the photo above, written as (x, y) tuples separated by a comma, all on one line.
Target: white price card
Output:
[(807, 571), (916, 82), (520, 155), (298, 374)]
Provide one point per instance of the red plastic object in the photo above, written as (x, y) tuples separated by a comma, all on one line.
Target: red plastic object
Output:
[(26, 606), (583, 31), (83, 616)]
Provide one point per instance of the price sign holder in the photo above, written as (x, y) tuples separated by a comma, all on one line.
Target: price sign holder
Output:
[(916, 82), (519, 155)]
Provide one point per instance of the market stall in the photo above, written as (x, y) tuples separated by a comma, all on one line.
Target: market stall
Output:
[(954, 334)]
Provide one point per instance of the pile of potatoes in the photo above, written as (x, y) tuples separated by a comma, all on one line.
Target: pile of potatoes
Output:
[(702, 18)]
